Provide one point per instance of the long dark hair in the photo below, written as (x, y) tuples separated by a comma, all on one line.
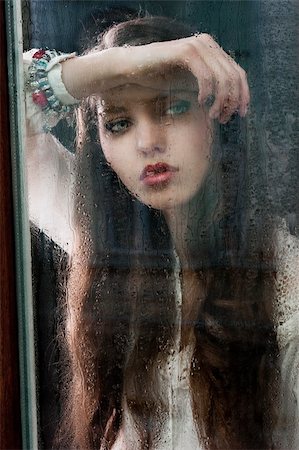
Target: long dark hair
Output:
[(121, 315)]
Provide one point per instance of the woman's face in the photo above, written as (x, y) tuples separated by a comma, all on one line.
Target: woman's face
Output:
[(157, 138)]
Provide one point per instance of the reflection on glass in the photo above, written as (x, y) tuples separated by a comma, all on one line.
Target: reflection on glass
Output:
[(167, 285)]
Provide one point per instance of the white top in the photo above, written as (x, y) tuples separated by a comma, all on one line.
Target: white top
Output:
[(50, 185), (178, 429)]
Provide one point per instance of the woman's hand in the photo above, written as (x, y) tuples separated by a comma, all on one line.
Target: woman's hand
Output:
[(218, 75)]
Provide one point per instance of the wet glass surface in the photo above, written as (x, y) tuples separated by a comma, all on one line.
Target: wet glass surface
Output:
[(164, 243)]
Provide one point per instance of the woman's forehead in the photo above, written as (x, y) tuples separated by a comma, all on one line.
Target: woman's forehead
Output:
[(148, 92)]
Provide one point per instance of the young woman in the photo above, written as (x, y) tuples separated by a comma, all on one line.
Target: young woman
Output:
[(169, 328)]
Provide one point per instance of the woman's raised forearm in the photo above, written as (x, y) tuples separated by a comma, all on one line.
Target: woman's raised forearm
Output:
[(217, 74)]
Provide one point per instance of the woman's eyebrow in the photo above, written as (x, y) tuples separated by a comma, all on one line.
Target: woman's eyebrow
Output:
[(117, 109), (111, 109)]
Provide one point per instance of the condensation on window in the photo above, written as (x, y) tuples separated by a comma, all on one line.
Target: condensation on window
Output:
[(163, 210)]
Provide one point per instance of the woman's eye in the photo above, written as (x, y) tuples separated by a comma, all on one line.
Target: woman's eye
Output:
[(178, 108), (117, 126)]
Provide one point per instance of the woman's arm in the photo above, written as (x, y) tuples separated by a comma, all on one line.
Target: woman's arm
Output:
[(216, 72), (49, 166)]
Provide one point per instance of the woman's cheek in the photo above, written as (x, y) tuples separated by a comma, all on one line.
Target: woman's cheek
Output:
[(109, 151)]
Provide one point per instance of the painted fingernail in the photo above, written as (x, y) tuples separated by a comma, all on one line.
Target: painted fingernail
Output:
[(210, 100)]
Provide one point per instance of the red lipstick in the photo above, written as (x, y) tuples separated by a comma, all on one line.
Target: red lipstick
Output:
[(159, 173)]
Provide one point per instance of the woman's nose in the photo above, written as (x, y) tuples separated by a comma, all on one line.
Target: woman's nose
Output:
[(150, 137)]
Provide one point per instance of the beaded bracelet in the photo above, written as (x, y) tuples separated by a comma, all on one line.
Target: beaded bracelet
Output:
[(42, 92)]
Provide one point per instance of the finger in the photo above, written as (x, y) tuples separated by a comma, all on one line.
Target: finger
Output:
[(226, 114), (227, 96), (208, 82), (204, 47), (206, 87), (196, 60), (231, 88), (239, 95), (245, 93), (222, 78), (204, 76), (228, 91)]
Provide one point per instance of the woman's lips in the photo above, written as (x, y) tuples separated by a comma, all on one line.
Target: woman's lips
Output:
[(159, 173)]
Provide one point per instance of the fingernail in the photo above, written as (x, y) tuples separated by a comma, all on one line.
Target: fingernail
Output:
[(210, 100), (213, 114)]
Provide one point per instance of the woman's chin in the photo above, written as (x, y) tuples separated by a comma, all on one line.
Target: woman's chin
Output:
[(163, 202)]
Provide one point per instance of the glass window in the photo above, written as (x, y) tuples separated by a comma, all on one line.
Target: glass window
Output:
[(158, 192)]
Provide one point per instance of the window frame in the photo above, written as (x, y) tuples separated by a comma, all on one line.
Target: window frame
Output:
[(10, 423), (18, 427)]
